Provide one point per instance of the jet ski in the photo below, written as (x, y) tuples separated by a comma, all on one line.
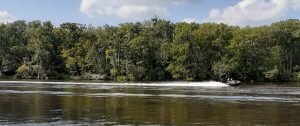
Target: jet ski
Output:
[(231, 82)]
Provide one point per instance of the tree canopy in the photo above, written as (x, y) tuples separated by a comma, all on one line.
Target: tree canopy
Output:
[(153, 50)]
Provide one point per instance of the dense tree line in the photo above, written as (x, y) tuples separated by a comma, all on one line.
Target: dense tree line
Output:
[(152, 50)]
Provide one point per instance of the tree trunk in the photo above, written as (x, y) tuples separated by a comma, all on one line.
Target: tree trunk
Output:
[(126, 71), (38, 77), (291, 59)]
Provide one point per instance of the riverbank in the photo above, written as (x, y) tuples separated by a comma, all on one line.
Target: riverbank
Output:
[(295, 77), (82, 79)]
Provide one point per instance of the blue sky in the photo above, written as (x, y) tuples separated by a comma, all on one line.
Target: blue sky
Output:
[(100, 12)]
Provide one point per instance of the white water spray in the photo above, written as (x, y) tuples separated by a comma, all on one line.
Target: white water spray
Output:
[(158, 84)]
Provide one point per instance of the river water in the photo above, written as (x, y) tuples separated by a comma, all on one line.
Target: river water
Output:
[(168, 103)]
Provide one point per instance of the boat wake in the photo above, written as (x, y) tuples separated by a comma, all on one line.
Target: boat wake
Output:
[(190, 84), (154, 84)]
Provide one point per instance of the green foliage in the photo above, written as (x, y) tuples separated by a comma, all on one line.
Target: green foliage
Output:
[(224, 68), (23, 71), (155, 49), (272, 74), (178, 66), (121, 78), (297, 76)]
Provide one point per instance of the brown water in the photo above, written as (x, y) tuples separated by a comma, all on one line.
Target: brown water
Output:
[(148, 104)]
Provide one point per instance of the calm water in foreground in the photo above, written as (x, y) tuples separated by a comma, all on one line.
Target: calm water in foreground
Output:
[(57, 103)]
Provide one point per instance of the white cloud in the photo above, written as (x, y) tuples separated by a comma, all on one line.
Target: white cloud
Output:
[(128, 9), (296, 4), (190, 20), (253, 12), (5, 17)]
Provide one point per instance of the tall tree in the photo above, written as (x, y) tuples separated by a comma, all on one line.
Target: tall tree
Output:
[(40, 46)]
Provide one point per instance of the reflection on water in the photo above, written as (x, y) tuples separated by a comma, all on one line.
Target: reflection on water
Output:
[(141, 104)]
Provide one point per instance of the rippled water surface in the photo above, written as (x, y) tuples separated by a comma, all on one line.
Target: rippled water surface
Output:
[(168, 103)]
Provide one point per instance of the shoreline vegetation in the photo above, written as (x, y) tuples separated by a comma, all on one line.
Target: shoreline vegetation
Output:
[(153, 50)]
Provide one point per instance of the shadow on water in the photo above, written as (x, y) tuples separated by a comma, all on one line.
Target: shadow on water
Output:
[(115, 104)]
